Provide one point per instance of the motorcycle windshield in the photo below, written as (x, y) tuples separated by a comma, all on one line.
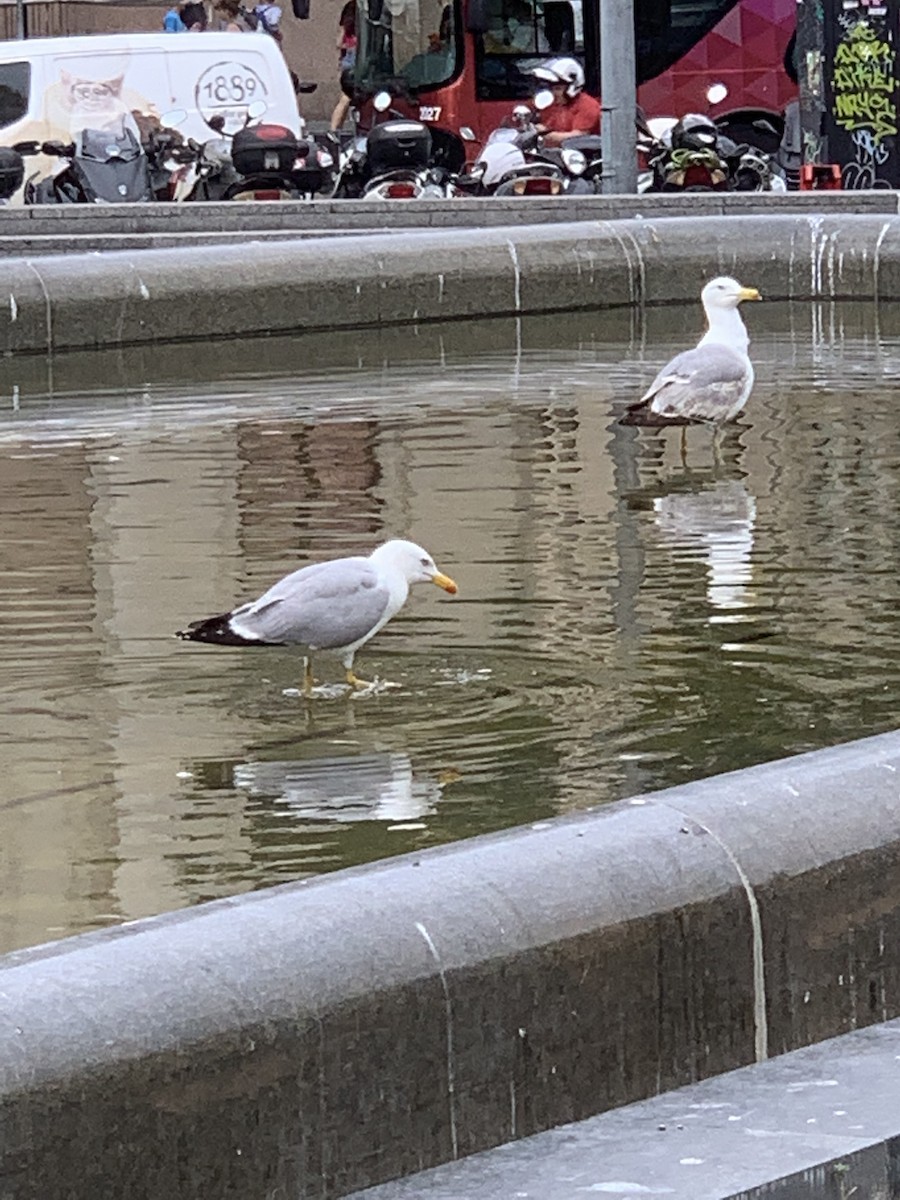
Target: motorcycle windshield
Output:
[(502, 135), (114, 181), (118, 140)]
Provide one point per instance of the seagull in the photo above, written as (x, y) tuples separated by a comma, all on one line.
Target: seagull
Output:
[(711, 383), (336, 605)]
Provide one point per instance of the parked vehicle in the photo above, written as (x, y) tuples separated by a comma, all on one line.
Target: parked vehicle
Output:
[(203, 170), (106, 165), (696, 155), (503, 166), (455, 63), (261, 161), (396, 160), (272, 163), (513, 162), (12, 172)]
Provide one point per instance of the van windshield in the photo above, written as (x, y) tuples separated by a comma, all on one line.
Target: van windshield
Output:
[(15, 82), (410, 43)]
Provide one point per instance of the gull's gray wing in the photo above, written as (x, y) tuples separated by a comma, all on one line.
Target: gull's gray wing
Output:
[(324, 606), (709, 383)]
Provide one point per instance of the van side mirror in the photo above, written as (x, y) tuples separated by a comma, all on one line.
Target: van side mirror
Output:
[(477, 16)]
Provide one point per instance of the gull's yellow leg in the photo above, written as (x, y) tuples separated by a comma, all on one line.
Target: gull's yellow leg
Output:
[(717, 445), (308, 680)]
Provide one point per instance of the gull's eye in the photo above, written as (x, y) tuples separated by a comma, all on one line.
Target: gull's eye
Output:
[(426, 562)]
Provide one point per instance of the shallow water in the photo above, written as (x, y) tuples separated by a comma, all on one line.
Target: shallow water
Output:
[(625, 620)]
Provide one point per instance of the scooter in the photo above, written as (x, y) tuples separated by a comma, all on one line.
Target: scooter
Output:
[(393, 161), (110, 165), (12, 172), (259, 162), (510, 162)]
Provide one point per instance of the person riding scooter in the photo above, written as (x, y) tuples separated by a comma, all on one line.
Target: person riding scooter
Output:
[(573, 112)]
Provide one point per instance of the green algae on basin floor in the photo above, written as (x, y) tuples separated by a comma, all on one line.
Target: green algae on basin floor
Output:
[(626, 620)]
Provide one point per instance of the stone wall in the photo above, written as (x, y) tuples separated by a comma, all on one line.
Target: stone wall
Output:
[(314, 1039)]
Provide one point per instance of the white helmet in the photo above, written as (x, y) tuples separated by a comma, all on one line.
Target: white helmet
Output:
[(563, 70)]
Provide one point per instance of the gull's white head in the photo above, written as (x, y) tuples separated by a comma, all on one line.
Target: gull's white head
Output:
[(415, 564), (725, 292)]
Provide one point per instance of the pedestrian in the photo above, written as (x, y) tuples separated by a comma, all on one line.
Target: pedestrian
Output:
[(172, 21), (231, 17), (346, 48), (194, 16)]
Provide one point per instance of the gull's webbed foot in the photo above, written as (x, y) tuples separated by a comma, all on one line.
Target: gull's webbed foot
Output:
[(355, 682)]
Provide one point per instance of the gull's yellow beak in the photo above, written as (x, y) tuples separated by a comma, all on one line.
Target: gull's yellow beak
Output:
[(750, 294), (445, 582)]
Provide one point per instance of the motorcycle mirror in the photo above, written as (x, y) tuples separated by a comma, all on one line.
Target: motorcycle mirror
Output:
[(467, 134), (216, 123), (173, 118), (26, 147), (381, 102), (543, 99), (256, 109), (60, 149)]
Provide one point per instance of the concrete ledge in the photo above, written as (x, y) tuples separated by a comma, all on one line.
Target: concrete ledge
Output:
[(64, 302), (80, 222), (821, 1122), (323, 1037)]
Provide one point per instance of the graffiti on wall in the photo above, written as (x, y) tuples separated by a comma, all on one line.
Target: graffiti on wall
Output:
[(864, 94), (865, 81)]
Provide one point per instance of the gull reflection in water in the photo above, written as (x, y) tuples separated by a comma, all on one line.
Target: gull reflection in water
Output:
[(717, 521), (364, 787)]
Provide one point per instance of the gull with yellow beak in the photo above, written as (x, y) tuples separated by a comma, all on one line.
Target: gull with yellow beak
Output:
[(710, 383), (336, 606)]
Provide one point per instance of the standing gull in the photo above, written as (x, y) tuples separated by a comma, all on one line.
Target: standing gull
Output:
[(710, 383), (336, 606)]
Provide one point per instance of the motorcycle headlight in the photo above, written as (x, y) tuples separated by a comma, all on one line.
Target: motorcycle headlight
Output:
[(576, 163)]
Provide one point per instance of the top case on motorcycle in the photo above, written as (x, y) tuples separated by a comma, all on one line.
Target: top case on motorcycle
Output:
[(398, 145), (260, 148)]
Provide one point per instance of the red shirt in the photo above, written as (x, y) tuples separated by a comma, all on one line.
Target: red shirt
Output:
[(582, 114)]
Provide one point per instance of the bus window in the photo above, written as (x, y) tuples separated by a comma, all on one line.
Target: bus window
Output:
[(15, 78), (412, 40), (517, 35), (665, 30)]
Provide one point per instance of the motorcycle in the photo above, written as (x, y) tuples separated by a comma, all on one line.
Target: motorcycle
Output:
[(398, 159), (261, 161), (696, 154), (12, 172), (513, 162), (109, 165)]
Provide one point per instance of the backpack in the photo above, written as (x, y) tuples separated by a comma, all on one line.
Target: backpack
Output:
[(256, 19)]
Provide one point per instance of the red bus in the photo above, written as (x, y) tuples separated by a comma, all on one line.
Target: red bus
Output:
[(466, 62)]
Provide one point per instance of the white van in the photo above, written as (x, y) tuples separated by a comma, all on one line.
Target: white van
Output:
[(53, 87)]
